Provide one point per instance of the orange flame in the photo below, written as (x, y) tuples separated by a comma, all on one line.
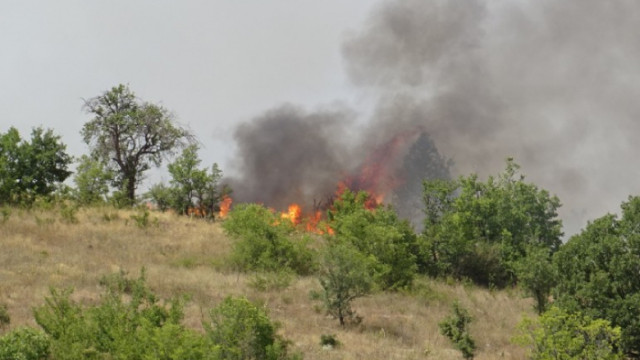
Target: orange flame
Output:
[(293, 214), (225, 206)]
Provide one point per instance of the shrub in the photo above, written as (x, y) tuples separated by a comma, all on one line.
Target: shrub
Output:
[(376, 233), (329, 340), (561, 335), (456, 328), (263, 242), (345, 275), (24, 344), (241, 330), (119, 326), (5, 319)]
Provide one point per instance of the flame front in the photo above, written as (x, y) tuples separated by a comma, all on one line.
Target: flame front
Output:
[(225, 206)]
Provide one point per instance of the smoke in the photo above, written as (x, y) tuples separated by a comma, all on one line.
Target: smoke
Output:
[(554, 84)]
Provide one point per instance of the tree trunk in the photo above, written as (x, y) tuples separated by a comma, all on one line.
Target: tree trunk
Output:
[(131, 188)]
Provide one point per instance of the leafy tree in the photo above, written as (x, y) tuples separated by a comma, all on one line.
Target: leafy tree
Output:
[(194, 187), (92, 181), (479, 230), (265, 242), (129, 135), (345, 275), (537, 276), (377, 233), (561, 335), (31, 168), (597, 272), (456, 328)]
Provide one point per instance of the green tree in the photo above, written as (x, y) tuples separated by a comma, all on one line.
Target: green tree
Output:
[(480, 230), (192, 186), (345, 275), (129, 135), (31, 168), (597, 272), (569, 336), (92, 180), (377, 233), (537, 276)]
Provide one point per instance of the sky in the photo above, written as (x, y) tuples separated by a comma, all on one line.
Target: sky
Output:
[(213, 64), (554, 84)]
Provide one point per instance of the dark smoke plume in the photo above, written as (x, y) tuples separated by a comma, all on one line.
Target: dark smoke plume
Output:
[(554, 84)]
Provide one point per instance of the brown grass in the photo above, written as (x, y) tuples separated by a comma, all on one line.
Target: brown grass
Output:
[(39, 249)]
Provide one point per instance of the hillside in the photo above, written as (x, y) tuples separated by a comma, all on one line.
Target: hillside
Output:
[(42, 249)]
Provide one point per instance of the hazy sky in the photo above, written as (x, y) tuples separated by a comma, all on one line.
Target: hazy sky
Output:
[(554, 83), (213, 63)]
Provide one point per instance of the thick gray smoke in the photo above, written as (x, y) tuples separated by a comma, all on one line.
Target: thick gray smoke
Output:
[(554, 84)]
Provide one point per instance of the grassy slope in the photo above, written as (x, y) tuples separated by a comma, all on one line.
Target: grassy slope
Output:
[(38, 250)]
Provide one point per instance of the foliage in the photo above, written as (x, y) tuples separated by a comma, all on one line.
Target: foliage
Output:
[(561, 335), (142, 218), (271, 280), (24, 344), (128, 135), (598, 273), (456, 328), (264, 242), (5, 319), (345, 275), (162, 196), (377, 233), (92, 180), (479, 230), (241, 330), (128, 323), (191, 187), (330, 340), (537, 276), (69, 213), (29, 169)]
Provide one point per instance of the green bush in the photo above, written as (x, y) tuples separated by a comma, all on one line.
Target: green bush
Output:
[(456, 328), (5, 319), (561, 335), (241, 330), (263, 242), (24, 344), (377, 233), (127, 323), (345, 275)]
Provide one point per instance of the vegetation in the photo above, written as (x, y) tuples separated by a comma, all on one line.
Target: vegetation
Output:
[(29, 169), (598, 273), (191, 187), (377, 234), (92, 180), (345, 275), (265, 242), (456, 328), (480, 230), (561, 335), (128, 136)]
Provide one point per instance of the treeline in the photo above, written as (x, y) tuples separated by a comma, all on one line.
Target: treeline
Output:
[(502, 232)]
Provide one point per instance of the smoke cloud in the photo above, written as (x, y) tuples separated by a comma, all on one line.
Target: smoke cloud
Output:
[(554, 84)]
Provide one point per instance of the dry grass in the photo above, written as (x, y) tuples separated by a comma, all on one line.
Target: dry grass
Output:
[(39, 249)]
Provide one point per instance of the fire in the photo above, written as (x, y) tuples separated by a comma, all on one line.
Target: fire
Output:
[(225, 206), (293, 214)]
